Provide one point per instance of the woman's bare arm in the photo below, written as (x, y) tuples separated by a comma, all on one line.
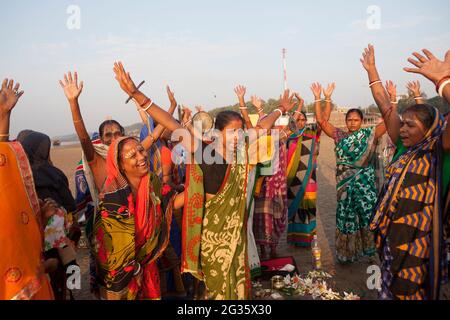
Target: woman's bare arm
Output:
[(328, 93), (159, 115), (258, 104), (240, 92), (327, 127), (286, 104), (159, 130), (391, 118), (301, 103), (434, 70)]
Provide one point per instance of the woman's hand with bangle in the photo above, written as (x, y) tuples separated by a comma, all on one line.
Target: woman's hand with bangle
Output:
[(414, 88), (257, 103), (240, 92), (391, 88), (316, 89)]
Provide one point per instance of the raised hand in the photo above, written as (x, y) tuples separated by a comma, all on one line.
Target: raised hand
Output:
[(429, 66), (173, 101), (240, 92), (287, 101), (70, 86), (124, 79), (9, 95), (316, 89), (368, 58), (187, 114), (414, 88), (392, 90), (257, 102), (199, 109), (328, 92), (300, 100)]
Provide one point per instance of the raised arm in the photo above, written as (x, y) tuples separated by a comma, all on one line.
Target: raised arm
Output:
[(159, 115), (437, 72), (391, 88), (258, 104), (327, 127), (240, 92), (328, 92), (391, 118), (9, 95), (414, 88), (159, 130), (72, 91), (301, 103), (286, 104)]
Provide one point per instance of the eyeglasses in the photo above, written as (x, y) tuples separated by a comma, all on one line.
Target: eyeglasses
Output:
[(115, 134)]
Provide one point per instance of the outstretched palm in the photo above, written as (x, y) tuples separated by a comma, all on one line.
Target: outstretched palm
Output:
[(287, 101), (257, 102), (414, 87), (368, 58), (240, 91), (9, 95), (429, 66), (124, 79), (70, 86), (328, 92), (173, 101), (316, 89), (391, 89)]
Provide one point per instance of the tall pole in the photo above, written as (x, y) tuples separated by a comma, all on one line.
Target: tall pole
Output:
[(285, 70)]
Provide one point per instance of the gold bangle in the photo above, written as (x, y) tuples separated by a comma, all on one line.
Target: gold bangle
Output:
[(6, 135)]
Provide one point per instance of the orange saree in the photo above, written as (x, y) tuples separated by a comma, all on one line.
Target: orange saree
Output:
[(22, 274)]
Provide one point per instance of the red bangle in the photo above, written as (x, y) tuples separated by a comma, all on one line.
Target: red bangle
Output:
[(147, 100), (440, 82)]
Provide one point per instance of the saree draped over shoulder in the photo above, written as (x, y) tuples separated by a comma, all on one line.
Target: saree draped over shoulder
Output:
[(303, 149), (215, 234), (130, 235), (356, 194), (409, 222), (21, 239)]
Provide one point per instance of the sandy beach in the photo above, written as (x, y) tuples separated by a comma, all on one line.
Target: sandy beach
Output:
[(349, 278)]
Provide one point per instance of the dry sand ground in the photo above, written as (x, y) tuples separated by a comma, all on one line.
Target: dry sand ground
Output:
[(350, 278)]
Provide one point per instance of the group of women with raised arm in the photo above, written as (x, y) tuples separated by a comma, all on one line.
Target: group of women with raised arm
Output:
[(156, 217)]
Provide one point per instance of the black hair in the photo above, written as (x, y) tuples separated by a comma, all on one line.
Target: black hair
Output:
[(119, 151), (225, 117), (304, 113), (423, 112), (110, 122), (359, 112)]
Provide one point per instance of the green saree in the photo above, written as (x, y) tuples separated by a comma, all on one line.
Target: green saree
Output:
[(216, 250), (356, 194)]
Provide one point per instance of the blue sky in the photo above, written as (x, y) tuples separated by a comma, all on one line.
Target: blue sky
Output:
[(203, 49)]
